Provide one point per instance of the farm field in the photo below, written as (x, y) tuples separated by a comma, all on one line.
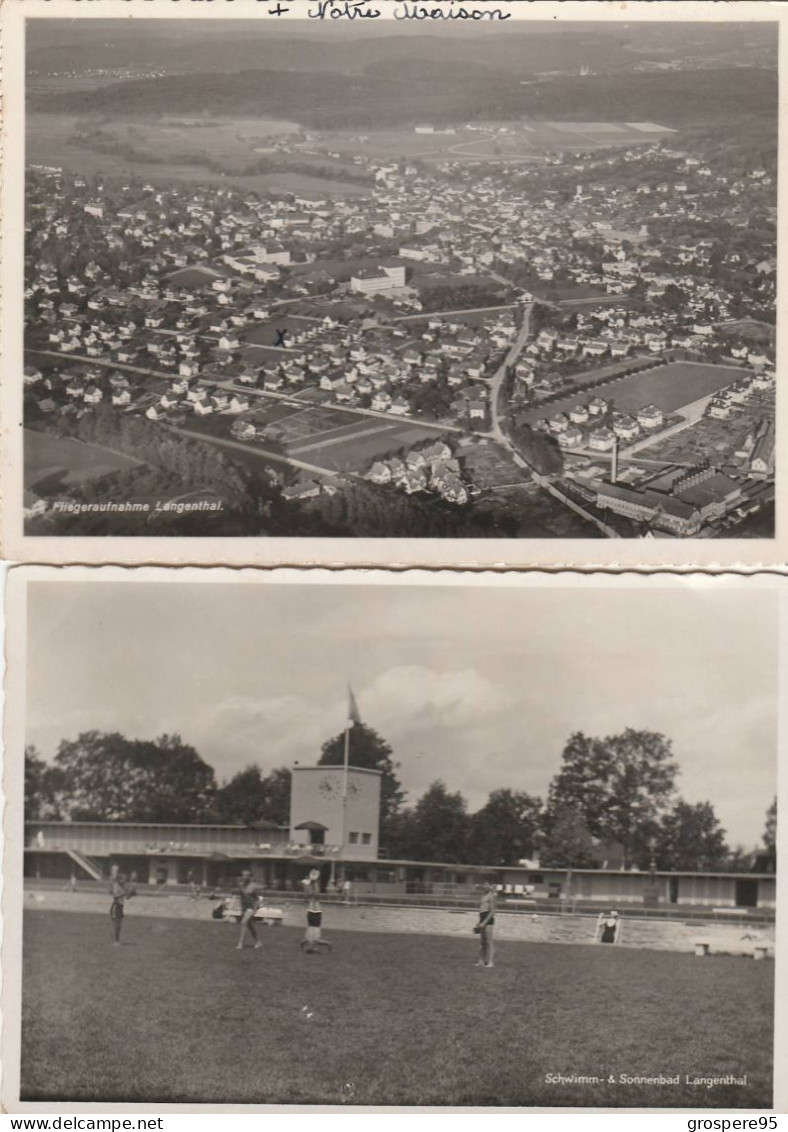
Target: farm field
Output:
[(331, 439), (382, 1020), (52, 462), (352, 447), (668, 387), (50, 139)]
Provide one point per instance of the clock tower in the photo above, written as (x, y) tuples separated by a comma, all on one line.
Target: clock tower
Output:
[(321, 815)]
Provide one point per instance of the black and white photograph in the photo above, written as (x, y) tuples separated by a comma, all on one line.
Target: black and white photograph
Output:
[(355, 839), (491, 276)]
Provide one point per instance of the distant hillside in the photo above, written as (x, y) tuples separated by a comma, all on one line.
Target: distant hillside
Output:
[(413, 91), (179, 47)]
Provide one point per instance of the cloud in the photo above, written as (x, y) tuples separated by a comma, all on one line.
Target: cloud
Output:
[(425, 697), (402, 703)]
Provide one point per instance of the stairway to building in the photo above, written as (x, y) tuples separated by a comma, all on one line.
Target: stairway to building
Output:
[(91, 867)]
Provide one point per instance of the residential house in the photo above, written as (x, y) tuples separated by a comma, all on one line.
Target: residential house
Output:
[(602, 439)]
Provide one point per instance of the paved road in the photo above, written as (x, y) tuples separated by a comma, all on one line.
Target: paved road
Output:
[(498, 378), (444, 314), (239, 446), (307, 403), (82, 360), (234, 387)]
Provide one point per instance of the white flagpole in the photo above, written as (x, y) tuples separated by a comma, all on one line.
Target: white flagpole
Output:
[(345, 778)]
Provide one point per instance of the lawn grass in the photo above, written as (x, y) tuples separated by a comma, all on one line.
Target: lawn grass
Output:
[(176, 1015)]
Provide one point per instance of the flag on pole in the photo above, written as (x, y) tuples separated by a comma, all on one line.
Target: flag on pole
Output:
[(352, 708)]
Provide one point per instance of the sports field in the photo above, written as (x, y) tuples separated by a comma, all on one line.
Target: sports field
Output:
[(176, 1014), (669, 387), (520, 141)]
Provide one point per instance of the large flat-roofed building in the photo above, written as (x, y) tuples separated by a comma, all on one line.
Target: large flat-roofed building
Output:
[(370, 280), (165, 855), (334, 817), (645, 506)]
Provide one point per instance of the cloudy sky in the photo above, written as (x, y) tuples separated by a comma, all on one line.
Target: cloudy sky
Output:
[(477, 685)]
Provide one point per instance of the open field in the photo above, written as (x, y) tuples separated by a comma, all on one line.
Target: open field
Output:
[(668, 387), (751, 329), (384, 1019), (52, 139), (52, 463), (331, 439), (478, 317), (526, 140), (490, 466), (351, 446), (612, 369)]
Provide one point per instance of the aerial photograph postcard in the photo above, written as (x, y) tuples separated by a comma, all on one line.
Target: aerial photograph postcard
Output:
[(406, 277)]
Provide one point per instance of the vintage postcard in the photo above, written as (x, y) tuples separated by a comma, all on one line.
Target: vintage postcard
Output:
[(343, 282), (339, 838)]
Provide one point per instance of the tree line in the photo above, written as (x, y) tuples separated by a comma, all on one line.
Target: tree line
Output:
[(613, 801)]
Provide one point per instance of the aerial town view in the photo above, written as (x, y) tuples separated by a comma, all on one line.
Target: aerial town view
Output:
[(308, 280)]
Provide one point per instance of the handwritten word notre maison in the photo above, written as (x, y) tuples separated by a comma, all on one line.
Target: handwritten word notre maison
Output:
[(361, 9)]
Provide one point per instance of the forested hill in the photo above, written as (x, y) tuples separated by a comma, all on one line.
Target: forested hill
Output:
[(417, 91), (184, 46)]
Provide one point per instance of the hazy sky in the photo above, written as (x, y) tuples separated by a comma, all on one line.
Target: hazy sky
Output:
[(478, 686)]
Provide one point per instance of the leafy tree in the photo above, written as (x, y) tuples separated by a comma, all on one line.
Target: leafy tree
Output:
[(567, 843), (442, 826), (41, 787), (689, 837), (581, 783), (368, 749), (250, 796), (619, 784), (505, 829), (106, 777), (538, 449), (402, 837), (238, 800), (276, 796), (738, 860), (674, 298), (770, 829)]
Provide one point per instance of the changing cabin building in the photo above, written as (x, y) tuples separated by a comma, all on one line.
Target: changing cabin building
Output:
[(334, 827)]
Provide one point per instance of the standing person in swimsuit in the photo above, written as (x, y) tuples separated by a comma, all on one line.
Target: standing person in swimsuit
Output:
[(313, 941), (485, 927), (120, 893), (249, 896), (609, 928)]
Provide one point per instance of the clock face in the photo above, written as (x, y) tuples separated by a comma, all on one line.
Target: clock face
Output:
[(354, 788), (327, 787)]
